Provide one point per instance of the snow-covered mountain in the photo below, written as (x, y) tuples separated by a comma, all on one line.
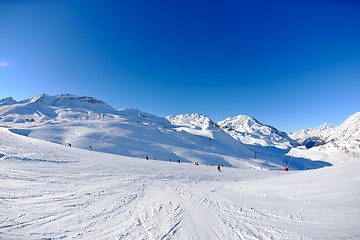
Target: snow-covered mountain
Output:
[(85, 122), (72, 101), (194, 121), (248, 130), (347, 134), (50, 191), (313, 136), (7, 101), (44, 108)]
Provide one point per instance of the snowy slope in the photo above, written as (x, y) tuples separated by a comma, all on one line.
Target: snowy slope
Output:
[(85, 122), (348, 133), (264, 144), (43, 107), (50, 191), (313, 136), (250, 131)]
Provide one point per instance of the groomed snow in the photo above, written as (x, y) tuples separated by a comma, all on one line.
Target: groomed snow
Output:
[(50, 191)]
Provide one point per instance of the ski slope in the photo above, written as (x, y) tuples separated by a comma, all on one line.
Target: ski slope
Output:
[(85, 122), (50, 191)]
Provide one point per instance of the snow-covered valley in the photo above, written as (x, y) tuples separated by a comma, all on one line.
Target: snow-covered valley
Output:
[(84, 122), (50, 190)]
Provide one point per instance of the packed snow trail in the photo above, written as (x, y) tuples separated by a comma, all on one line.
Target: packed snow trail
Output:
[(49, 191)]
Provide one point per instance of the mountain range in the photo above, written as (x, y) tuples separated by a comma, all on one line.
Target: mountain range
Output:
[(313, 136), (347, 135), (88, 123)]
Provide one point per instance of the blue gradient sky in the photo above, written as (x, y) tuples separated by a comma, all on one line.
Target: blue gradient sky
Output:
[(290, 64)]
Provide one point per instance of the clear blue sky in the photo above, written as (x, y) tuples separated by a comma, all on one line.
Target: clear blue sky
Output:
[(290, 64)]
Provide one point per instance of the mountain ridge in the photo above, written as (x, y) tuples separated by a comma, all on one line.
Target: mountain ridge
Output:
[(85, 122), (312, 137), (347, 133), (250, 131)]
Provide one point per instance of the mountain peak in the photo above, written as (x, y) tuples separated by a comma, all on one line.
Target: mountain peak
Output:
[(193, 120), (250, 131), (325, 126), (348, 132), (73, 101), (239, 122), (7, 101)]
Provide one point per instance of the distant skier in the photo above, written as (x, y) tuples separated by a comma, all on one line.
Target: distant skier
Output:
[(90, 148), (219, 168), (147, 158)]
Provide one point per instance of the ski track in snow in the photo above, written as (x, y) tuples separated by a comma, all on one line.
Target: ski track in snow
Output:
[(50, 191)]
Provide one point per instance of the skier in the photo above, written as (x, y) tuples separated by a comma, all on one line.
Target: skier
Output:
[(147, 158), (219, 168)]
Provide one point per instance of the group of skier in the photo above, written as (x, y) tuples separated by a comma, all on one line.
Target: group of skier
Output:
[(196, 163)]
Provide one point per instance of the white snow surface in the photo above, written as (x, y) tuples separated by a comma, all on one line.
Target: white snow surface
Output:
[(85, 122), (50, 191), (109, 191)]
